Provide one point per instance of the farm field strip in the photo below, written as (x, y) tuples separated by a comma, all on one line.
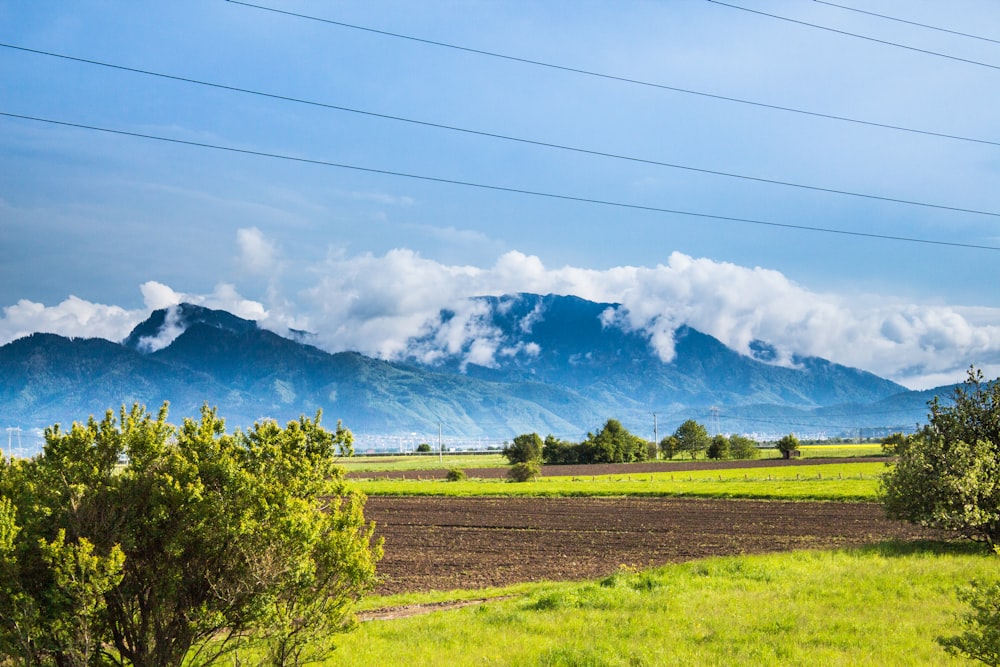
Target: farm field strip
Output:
[(437, 543), (828, 481), (421, 462)]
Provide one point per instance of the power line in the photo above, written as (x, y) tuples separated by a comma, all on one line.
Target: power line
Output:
[(899, 20), (494, 135), (623, 79), (500, 188), (854, 34)]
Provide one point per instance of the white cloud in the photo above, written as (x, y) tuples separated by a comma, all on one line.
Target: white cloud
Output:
[(391, 306), (74, 317), (171, 328), (258, 254), (378, 304), (157, 295)]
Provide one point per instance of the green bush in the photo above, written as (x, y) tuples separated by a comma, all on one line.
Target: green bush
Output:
[(787, 445), (718, 448), (524, 472), (980, 637), (946, 475), (455, 475), (202, 538), (742, 447)]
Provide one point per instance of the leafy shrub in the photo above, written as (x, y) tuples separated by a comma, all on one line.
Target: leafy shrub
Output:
[(946, 475), (980, 637), (787, 445), (742, 447), (524, 472), (719, 448), (455, 475), (178, 542), (669, 446)]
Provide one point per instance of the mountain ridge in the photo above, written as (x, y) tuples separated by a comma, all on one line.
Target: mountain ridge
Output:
[(562, 366)]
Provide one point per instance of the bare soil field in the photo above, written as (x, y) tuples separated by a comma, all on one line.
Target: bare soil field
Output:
[(438, 543)]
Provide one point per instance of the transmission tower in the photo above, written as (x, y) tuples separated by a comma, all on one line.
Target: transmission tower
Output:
[(11, 430)]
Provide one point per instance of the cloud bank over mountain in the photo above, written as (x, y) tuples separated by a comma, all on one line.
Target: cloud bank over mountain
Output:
[(401, 305)]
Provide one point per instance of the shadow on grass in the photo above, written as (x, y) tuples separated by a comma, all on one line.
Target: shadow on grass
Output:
[(943, 547)]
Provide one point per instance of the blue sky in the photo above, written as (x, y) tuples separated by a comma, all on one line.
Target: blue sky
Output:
[(97, 229)]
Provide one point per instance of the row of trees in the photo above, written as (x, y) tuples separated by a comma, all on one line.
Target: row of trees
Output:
[(615, 444), (203, 544), (692, 439), (612, 444)]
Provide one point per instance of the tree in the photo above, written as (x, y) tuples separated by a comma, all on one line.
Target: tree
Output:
[(980, 636), (947, 475), (692, 438), (556, 451), (344, 440), (718, 448), (526, 448), (204, 539), (742, 447), (669, 446), (423, 448), (613, 444), (893, 443), (787, 445), (524, 471)]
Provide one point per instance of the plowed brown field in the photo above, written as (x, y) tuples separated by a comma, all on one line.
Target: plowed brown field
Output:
[(435, 543)]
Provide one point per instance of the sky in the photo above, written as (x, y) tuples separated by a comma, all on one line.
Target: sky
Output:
[(297, 202)]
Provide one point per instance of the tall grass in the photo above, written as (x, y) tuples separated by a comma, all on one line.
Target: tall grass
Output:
[(874, 606)]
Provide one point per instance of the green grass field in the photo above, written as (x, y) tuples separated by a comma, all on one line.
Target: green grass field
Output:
[(839, 481), (882, 605), (422, 462)]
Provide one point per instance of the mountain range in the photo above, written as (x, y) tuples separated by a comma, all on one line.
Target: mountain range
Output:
[(558, 364)]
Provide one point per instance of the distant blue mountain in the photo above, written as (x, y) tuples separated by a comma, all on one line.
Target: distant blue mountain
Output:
[(564, 371), (575, 349)]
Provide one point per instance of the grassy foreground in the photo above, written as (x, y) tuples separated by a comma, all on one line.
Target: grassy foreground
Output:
[(839, 481), (881, 605)]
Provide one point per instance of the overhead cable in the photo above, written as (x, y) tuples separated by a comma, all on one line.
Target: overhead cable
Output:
[(500, 188), (856, 35), (623, 79), (494, 135), (899, 20)]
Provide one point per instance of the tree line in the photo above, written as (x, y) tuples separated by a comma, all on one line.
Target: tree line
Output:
[(613, 443)]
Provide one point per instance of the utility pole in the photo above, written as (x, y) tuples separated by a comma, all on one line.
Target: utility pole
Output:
[(656, 439), (715, 418), (440, 444)]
